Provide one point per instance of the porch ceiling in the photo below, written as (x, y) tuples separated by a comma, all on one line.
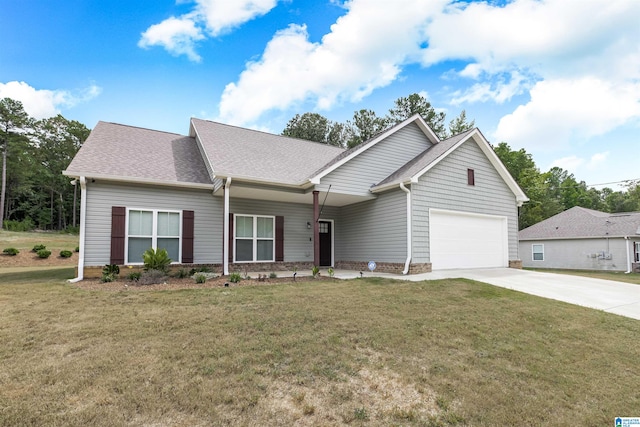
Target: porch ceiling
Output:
[(294, 195)]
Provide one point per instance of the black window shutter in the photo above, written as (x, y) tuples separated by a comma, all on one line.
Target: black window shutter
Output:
[(279, 238), (231, 237), (118, 234), (187, 237)]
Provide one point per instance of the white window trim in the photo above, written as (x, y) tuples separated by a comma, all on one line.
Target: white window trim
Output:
[(637, 251), (254, 238), (154, 237), (532, 252)]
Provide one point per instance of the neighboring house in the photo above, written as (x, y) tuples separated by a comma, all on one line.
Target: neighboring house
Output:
[(243, 199), (583, 239)]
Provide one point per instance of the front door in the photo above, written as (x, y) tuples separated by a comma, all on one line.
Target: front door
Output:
[(325, 243)]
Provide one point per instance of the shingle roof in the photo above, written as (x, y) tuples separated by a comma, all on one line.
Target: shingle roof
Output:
[(579, 222), (422, 160), (127, 152), (261, 156)]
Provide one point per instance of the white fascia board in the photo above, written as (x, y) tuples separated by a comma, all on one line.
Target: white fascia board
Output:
[(431, 136), (493, 159), (135, 180)]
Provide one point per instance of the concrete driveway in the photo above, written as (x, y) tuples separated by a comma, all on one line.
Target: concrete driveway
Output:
[(612, 297)]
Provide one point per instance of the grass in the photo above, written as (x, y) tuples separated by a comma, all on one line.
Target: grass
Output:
[(618, 276), (360, 352), (25, 241)]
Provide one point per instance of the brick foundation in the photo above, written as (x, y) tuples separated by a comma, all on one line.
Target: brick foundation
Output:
[(635, 267), (384, 267), (515, 263)]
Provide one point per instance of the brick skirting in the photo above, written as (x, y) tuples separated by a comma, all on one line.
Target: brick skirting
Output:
[(635, 267), (384, 267), (515, 263)]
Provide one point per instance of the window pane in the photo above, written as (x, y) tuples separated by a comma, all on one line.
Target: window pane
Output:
[(244, 226), (244, 250), (538, 256), (265, 250), (172, 246), (137, 246), (168, 224), (537, 248), (265, 227), (140, 223)]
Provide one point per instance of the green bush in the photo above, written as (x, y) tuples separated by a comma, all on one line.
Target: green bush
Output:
[(107, 278), (24, 225), (11, 251), (134, 276), (200, 278), (72, 230), (315, 271), (43, 253), (77, 249), (156, 260), (235, 277), (37, 248), (182, 273), (273, 275), (66, 254), (112, 269)]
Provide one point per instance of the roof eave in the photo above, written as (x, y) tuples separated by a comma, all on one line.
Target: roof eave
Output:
[(137, 180)]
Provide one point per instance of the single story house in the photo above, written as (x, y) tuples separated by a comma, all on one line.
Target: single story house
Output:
[(583, 239), (243, 199)]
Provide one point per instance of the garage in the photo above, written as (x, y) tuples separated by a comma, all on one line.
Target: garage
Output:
[(464, 240)]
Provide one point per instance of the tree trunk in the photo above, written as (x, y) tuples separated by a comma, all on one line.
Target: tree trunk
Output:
[(4, 183)]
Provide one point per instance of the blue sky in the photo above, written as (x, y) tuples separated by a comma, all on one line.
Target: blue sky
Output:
[(560, 78)]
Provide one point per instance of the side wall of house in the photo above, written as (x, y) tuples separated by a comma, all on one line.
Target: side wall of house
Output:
[(579, 254), (208, 216), (378, 162), (298, 239), (445, 187), (374, 230)]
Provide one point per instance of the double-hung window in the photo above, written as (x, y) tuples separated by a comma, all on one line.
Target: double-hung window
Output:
[(152, 229), (637, 257), (537, 252), (254, 238)]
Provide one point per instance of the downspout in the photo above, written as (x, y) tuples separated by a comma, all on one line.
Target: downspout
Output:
[(407, 263), (225, 249), (83, 221), (626, 238)]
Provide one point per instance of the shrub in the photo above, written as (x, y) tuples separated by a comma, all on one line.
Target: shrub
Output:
[(77, 249), (37, 248), (330, 272), (72, 230), (24, 225), (66, 254), (134, 276), (43, 253), (315, 271), (11, 251), (273, 275), (152, 277), (107, 278), (235, 277), (112, 269), (182, 273), (200, 278), (156, 260)]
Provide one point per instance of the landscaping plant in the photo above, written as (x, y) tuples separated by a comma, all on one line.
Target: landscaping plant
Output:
[(156, 260), (11, 251)]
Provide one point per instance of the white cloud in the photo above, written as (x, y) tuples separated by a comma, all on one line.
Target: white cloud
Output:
[(574, 163), (503, 90), (43, 103), (179, 35), (597, 160), (561, 109), (356, 57)]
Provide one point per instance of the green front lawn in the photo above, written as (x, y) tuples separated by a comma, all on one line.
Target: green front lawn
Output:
[(359, 352), (617, 276)]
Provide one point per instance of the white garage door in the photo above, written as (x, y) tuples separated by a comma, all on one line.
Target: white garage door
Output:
[(463, 240)]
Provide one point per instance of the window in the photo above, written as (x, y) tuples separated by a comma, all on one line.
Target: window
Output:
[(637, 257), (254, 238), (538, 252), (152, 229), (471, 177)]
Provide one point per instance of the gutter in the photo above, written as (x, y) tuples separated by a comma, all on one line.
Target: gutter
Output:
[(626, 238), (83, 221), (407, 263), (225, 249)]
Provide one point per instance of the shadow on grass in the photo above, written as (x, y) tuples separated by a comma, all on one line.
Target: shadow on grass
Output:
[(39, 276)]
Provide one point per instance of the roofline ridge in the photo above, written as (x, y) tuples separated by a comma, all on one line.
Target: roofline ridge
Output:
[(143, 128)]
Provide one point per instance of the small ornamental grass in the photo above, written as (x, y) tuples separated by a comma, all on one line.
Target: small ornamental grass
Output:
[(235, 277)]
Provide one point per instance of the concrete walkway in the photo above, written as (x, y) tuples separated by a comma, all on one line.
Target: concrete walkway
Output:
[(610, 296)]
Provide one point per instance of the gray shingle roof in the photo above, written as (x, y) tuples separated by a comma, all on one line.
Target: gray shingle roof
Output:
[(127, 152), (422, 160), (261, 156), (580, 222)]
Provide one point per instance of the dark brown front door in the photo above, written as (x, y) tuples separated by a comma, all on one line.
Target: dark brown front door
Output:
[(325, 243)]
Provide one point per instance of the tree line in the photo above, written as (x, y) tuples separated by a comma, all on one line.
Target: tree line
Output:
[(550, 192), (34, 193)]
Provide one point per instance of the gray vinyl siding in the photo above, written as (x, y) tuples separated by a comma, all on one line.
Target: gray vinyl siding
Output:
[(579, 254), (298, 239), (208, 215), (445, 187), (378, 162), (374, 230)]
